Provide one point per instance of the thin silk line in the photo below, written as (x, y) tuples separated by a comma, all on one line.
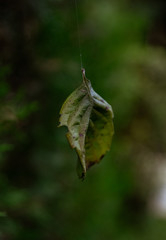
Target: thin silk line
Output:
[(78, 32)]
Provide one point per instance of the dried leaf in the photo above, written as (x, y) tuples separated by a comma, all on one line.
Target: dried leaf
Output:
[(88, 118)]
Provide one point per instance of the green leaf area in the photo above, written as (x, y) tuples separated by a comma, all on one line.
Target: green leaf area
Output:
[(88, 118)]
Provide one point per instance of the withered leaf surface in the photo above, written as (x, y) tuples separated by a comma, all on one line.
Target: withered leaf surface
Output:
[(89, 119)]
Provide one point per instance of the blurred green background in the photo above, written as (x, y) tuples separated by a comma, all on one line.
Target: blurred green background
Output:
[(124, 54)]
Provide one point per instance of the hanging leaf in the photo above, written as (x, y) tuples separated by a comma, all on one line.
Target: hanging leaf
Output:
[(88, 118)]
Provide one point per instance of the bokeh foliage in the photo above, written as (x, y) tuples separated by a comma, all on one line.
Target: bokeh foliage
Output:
[(123, 46)]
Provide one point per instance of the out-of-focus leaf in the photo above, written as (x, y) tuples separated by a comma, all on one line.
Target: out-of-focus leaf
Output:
[(88, 118)]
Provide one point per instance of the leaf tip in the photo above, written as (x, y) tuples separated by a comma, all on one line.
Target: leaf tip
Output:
[(82, 177), (81, 171)]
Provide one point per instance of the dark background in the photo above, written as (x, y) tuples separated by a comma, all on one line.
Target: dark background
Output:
[(124, 53)]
